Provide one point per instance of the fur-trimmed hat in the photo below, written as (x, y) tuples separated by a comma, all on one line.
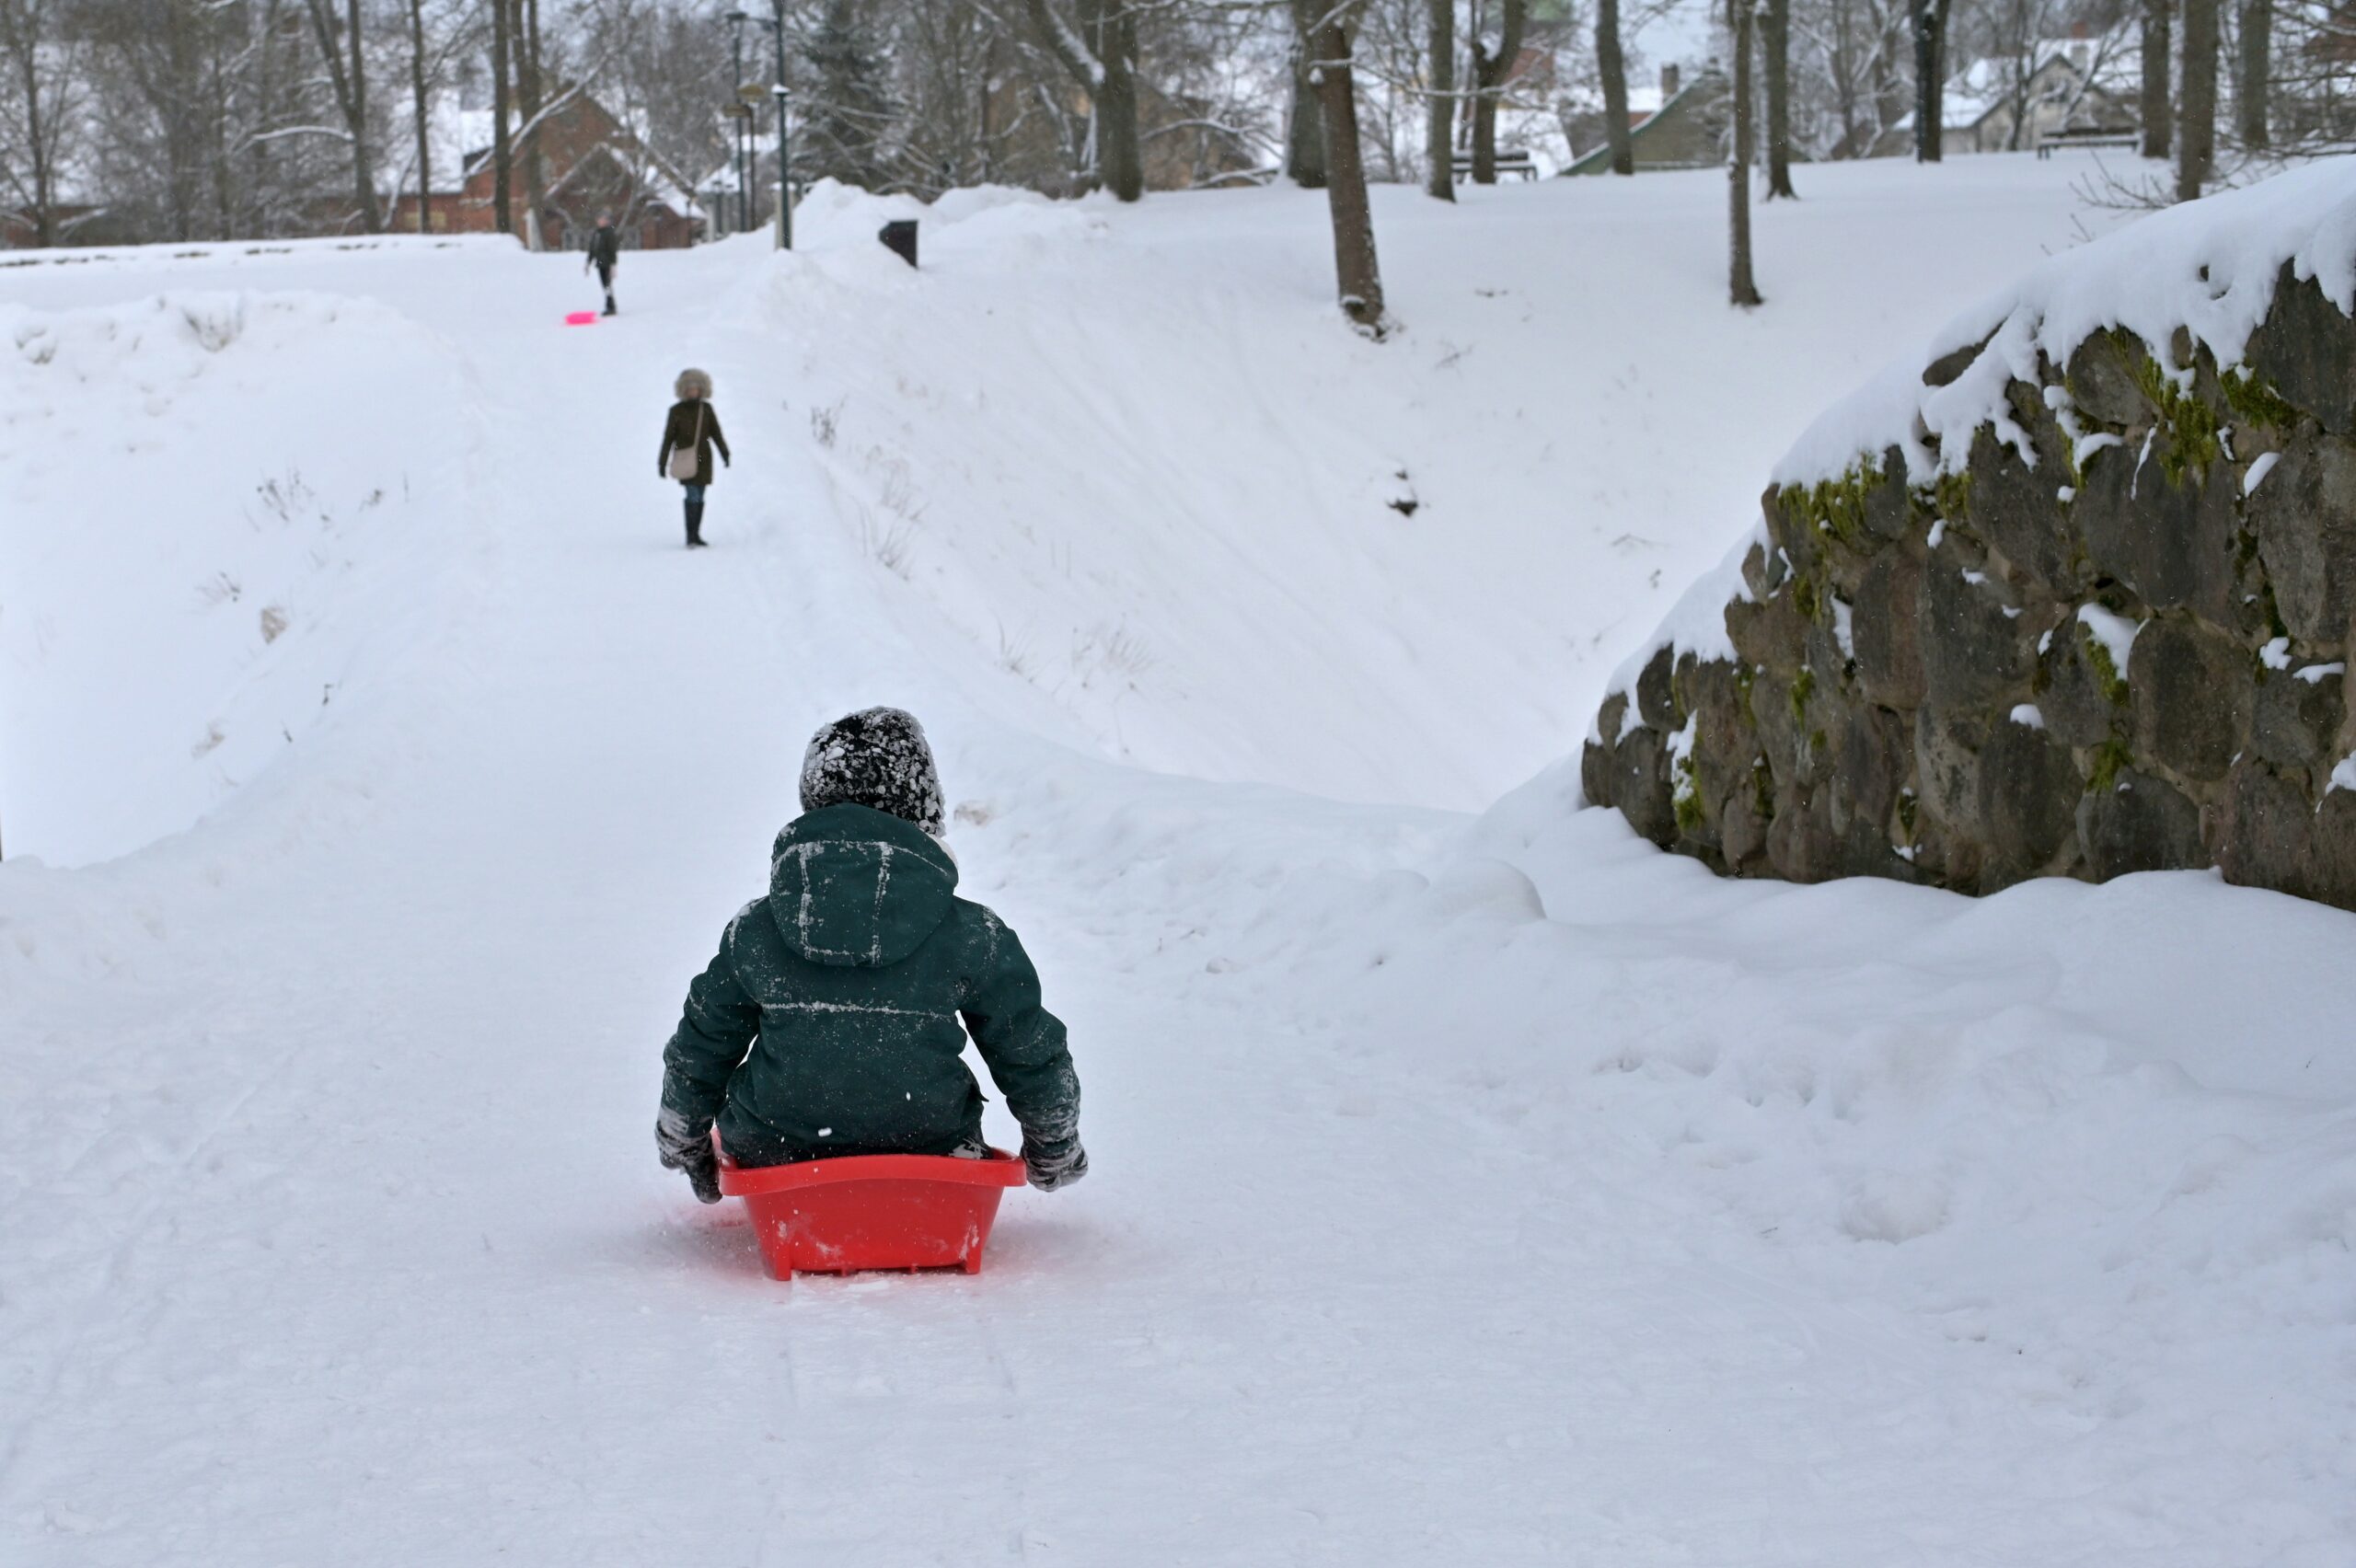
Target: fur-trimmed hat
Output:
[(875, 757), (692, 384)]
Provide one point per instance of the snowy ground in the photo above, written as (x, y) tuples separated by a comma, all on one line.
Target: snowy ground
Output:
[(1467, 1188)]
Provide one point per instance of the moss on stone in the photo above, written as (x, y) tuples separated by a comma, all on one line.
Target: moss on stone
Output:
[(2107, 675), (1836, 506), (1801, 688), (2252, 400), (2190, 443), (1685, 795), (1951, 495), (1806, 599), (2107, 759)]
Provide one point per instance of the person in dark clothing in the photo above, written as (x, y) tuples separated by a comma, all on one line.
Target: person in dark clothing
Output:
[(689, 432), (833, 1020), (605, 254)]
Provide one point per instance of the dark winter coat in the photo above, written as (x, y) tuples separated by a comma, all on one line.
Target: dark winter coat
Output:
[(605, 247), (679, 432), (829, 1024)]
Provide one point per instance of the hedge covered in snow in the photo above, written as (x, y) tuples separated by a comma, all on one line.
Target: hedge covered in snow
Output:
[(2074, 599)]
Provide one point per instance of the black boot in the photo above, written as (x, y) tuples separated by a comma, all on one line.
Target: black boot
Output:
[(694, 525), (609, 305)]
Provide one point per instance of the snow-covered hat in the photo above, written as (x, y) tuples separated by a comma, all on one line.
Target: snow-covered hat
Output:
[(879, 757), (691, 384)]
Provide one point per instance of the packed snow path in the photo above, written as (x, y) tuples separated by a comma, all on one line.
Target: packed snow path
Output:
[(1497, 1192)]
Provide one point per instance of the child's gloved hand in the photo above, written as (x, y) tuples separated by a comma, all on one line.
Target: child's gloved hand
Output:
[(682, 1151), (1053, 1164)]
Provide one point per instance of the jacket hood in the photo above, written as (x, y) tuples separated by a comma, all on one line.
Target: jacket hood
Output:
[(853, 888)]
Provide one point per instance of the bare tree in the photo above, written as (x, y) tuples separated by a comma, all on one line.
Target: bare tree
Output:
[(2197, 132), (40, 110), (1858, 51), (502, 147), (1305, 121), (418, 98), (1100, 53), (526, 32), (1492, 69), (1439, 112), (2157, 114), (1930, 24), (1775, 34), (2253, 81), (1357, 275), (1611, 66), (349, 82), (1740, 287)]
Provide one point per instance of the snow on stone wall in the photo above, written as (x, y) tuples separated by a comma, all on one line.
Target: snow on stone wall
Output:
[(2075, 599)]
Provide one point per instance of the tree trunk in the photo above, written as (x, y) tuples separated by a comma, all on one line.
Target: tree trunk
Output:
[(350, 88), (1355, 274), (26, 45), (363, 173), (1120, 154), (2157, 114), (2256, 80), (528, 92), (1613, 66), (502, 151), (1740, 287), (1102, 57), (1775, 19), (2196, 136), (1930, 18), (1305, 135), (1439, 124), (1490, 73), (417, 93)]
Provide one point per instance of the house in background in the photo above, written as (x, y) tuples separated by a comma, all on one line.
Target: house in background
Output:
[(593, 166), (2082, 90), (1682, 126)]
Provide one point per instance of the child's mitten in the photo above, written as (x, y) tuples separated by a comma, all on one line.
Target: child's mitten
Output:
[(1053, 1164), (682, 1150)]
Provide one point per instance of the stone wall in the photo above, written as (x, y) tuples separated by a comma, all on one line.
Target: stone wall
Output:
[(2106, 633)]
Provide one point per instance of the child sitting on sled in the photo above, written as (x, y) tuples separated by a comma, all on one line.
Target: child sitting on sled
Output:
[(829, 1024)]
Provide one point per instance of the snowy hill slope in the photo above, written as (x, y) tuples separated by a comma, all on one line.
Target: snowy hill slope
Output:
[(1487, 1189), (1126, 455), (217, 501)]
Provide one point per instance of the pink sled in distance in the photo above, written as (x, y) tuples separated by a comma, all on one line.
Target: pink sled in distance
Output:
[(580, 319)]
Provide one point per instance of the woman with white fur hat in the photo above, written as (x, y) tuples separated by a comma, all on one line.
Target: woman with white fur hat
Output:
[(689, 432)]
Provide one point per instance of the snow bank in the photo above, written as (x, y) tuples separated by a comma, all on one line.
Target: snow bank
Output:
[(398, 248), (219, 514)]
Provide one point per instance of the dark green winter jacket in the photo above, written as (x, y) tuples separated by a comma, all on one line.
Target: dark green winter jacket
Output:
[(828, 1023)]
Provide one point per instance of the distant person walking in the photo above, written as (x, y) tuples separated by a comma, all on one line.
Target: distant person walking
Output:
[(689, 432), (605, 254)]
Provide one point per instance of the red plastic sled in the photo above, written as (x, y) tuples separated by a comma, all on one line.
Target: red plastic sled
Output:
[(873, 1211)]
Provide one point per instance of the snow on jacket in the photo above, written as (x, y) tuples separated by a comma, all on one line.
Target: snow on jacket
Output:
[(680, 429), (829, 1022)]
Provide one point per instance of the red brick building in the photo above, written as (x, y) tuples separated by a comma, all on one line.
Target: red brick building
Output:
[(592, 165)]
